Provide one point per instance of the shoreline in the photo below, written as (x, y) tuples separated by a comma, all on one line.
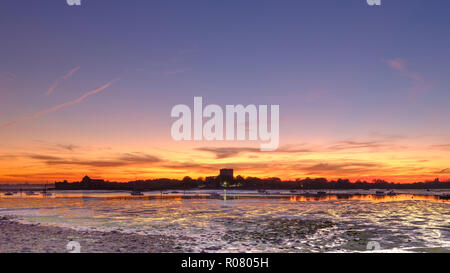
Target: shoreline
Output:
[(18, 237)]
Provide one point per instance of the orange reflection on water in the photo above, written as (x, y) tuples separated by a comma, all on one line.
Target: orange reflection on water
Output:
[(161, 197), (152, 197), (296, 198), (366, 197), (18, 195)]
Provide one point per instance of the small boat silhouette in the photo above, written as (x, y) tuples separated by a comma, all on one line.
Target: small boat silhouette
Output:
[(8, 193), (45, 193), (215, 195), (445, 197), (137, 193)]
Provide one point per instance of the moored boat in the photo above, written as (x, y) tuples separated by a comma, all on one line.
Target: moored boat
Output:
[(444, 197), (215, 195), (45, 193)]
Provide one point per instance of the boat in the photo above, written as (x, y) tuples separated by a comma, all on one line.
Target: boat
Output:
[(214, 195), (380, 193), (137, 193), (45, 193), (321, 193), (445, 197), (344, 195), (8, 193), (391, 193)]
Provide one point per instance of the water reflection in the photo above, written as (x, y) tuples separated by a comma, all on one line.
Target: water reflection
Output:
[(307, 197), (368, 197), (250, 222)]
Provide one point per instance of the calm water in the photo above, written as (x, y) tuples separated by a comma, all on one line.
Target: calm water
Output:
[(246, 222)]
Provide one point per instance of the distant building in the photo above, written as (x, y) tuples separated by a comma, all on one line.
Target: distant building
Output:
[(88, 180), (226, 173), (226, 177), (210, 179)]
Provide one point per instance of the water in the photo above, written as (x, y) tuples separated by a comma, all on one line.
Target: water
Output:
[(413, 221)]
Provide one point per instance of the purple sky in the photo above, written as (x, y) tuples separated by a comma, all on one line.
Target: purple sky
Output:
[(341, 71)]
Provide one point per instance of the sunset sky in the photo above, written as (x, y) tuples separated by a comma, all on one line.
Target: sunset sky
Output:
[(363, 90)]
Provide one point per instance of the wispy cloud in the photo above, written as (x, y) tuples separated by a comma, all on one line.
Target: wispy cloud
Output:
[(349, 145), (68, 75), (57, 81), (420, 85), (399, 64), (177, 71), (339, 146), (387, 136), (7, 74), (444, 171), (7, 157), (57, 107), (116, 161), (68, 147), (341, 168), (227, 152), (175, 58), (43, 157), (445, 147)]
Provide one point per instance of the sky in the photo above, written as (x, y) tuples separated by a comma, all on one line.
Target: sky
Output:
[(363, 90)]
